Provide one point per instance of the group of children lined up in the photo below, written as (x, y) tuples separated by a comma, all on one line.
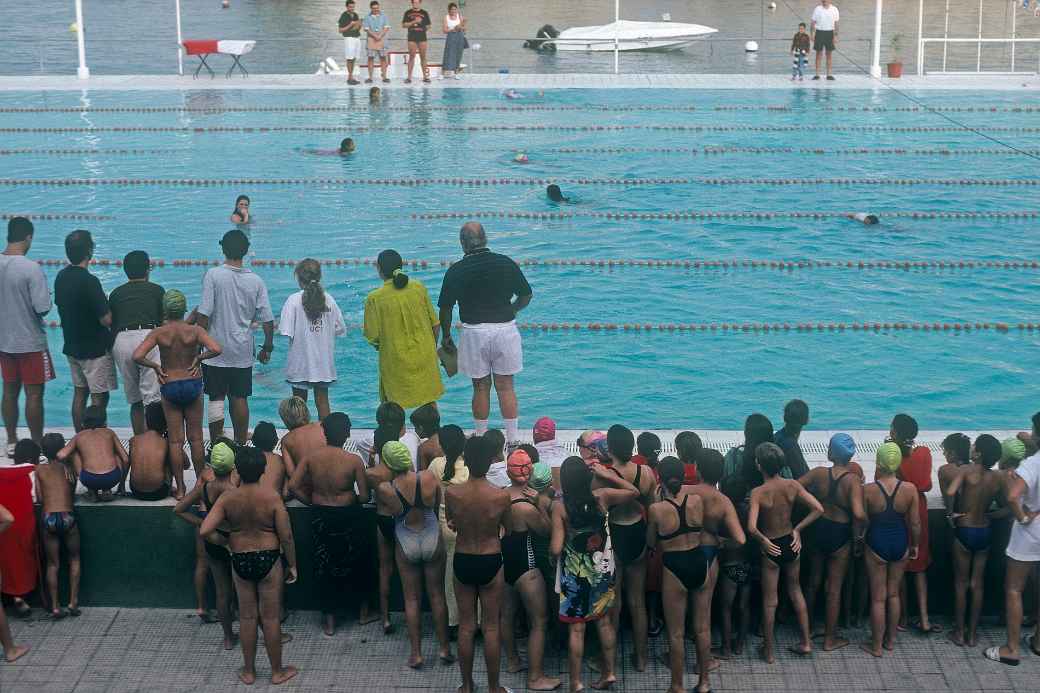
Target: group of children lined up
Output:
[(541, 532)]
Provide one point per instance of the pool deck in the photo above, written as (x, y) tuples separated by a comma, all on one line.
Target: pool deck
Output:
[(521, 81)]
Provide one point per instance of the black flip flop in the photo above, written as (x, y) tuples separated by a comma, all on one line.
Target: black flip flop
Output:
[(74, 611), (1032, 645)]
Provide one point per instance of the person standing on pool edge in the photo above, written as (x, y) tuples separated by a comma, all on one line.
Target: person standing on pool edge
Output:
[(824, 34), (416, 20), (484, 285), (376, 28), (350, 29), (232, 299)]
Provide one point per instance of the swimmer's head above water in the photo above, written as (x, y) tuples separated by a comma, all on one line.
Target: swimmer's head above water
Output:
[(867, 219), (555, 194), (374, 95), (346, 146)]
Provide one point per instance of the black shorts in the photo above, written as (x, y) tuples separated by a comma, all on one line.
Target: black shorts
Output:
[(219, 382), (416, 36), (823, 40)]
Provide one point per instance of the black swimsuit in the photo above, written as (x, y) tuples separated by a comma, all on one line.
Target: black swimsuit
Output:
[(476, 569), (629, 541), (254, 565), (218, 552), (689, 566), (518, 551), (830, 536)]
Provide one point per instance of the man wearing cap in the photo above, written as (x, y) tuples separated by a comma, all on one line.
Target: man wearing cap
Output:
[(490, 290), (24, 360), (233, 298), (136, 310)]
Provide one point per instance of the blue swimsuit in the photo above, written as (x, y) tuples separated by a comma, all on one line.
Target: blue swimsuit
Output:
[(887, 534)]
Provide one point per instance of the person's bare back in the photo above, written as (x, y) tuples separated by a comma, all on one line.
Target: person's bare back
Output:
[(179, 344), (274, 475), (719, 514), (331, 474), (429, 450), (54, 487), (631, 512), (149, 461), (477, 510), (776, 498), (978, 488), (300, 442), (98, 451)]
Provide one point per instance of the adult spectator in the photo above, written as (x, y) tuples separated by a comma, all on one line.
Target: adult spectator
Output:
[(376, 28), (137, 309), (416, 20), (350, 28), (454, 42), (796, 416), (85, 319), (1023, 553), (401, 324), (233, 298), (824, 34), (490, 290), (24, 360)]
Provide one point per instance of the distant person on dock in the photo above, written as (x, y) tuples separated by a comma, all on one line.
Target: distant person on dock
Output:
[(416, 20), (350, 29), (824, 34), (376, 28), (454, 42), (490, 290), (800, 49)]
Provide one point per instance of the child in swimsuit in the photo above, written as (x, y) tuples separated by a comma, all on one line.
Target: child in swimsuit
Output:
[(55, 485), (97, 456)]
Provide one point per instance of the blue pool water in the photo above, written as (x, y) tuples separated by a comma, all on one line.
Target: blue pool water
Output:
[(658, 379)]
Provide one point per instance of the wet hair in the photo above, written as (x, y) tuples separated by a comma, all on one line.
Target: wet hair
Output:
[(374, 93), (426, 419), (710, 466), (687, 446), (620, 442), (136, 264), (958, 445), (250, 463), (294, 412), (308, 274), (265, 436), (237, 200), (337, 429), (478, 453), (26, 451), (79, 246), (770, 458), (904, 430), (989, 450), (390, 264), (389, 422), (672, 474), (758, 429), (453, 442), (531, 451), (796, 414), (497, 439), (576, 483), (51, 445), (649, 446), (155, 418), (346, 145), (94, 417), (19, 229), (554, 193)]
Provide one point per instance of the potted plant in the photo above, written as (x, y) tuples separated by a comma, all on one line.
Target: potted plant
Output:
[(895, 67)]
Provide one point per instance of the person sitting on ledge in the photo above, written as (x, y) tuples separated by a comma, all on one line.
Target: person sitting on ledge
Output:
[(149, 455), (97, 456)]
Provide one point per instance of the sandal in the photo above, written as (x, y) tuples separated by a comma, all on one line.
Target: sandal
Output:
[(74, 611), (993, 654), (935, 628), (22, 609), (1032, 645)]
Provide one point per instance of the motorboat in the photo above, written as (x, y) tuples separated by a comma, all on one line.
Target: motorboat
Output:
[(630, 36)]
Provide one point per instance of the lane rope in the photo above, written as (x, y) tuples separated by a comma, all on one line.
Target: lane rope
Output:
[(726, 214), (866, 151), (65, 216)]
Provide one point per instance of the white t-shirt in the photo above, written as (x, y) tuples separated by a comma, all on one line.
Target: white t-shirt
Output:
[(551, 452), (411, 441), (1025, 539), (497, 475), (233, 298), (312, 349), (825, 17)]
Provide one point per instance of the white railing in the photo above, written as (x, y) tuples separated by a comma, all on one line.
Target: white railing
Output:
[(945, 42)]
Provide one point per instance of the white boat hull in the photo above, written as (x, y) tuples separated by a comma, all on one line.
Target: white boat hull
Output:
[(631, 36)]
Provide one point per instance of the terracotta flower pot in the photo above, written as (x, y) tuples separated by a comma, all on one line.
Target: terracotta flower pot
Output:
[(895, 70)]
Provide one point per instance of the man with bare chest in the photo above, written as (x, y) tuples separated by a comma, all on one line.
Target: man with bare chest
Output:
[(303, 436)]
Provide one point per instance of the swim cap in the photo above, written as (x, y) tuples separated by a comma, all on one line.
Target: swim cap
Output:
[(174, 302), (541, 476), (518, 467), (544, 429), (602, 448), (841, 448), (889, 457), (221, 458), (1012, 449), (521, 158), (396, 456)]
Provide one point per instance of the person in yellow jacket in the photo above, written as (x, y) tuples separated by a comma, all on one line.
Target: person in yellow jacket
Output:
[(401, 324)]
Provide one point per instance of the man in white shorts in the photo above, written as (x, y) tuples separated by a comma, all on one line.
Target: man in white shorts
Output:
[(1023, 553), (350, 28), (490, 290)]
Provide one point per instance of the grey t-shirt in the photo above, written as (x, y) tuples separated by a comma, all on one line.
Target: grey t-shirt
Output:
[(233, 298), (24, 299)]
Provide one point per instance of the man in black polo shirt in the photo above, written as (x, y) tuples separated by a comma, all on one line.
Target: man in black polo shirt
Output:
[(137, 309), (350, 28), (85, 319), (490, 290)]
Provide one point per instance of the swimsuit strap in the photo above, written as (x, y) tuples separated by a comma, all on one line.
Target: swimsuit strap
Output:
[(523, 499), (639, 471), (684, 526), (404, 504), (205, 496), (418, 494), (832, 486)]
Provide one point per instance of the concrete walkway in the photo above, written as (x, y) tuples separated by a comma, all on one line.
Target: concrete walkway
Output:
[(157, 651)]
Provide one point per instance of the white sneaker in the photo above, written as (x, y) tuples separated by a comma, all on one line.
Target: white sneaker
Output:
[(456, 76)]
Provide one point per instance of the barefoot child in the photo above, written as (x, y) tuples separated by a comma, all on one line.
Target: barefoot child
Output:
[(55, 485), (11, 651), (149, 452), (97, 456), (781, 543)]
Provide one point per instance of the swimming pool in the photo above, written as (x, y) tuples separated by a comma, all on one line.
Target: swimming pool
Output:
[(169, 165)]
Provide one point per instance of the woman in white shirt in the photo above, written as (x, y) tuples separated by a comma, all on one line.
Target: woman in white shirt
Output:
[(454, 42), (312, 321)]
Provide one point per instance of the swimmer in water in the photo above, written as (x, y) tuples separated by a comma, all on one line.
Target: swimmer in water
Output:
[(240, 215), (374, 95), (512, 94), (555, 194), (521, 158), (866, 219), (346, 146)]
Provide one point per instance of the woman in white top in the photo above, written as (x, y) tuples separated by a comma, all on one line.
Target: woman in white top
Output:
[(312, 321), (452, 440), (454, 42)]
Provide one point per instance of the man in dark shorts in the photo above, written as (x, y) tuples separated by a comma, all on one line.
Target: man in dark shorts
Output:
[(24, 360), (824, 34), (417, 21), (232, 299)]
